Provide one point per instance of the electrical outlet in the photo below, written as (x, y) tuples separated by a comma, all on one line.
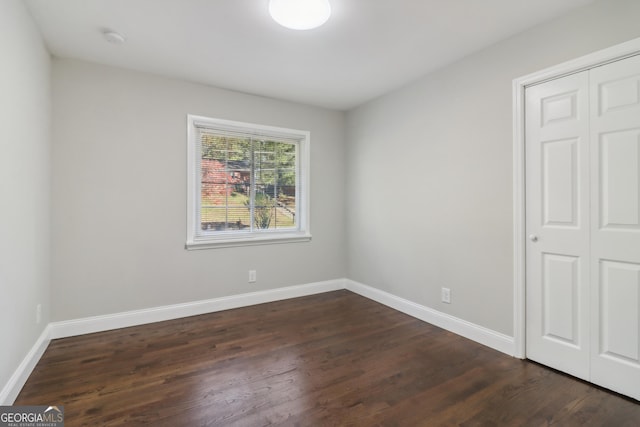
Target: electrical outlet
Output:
[(38, 313), (446, 295), (252, 276)]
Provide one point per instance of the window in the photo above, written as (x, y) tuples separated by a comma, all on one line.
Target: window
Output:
[(247, 184)]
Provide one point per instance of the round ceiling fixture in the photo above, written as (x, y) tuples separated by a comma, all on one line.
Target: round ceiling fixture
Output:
[(300, 14), (113, 37)]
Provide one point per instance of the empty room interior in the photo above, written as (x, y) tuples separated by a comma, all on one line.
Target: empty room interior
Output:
[(398, 213)]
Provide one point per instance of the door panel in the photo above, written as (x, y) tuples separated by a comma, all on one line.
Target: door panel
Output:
[(558, 108), (618, 94), (620, 324), (619, 180), (615, 226), (560, 298), (559, 176), (557, 197)]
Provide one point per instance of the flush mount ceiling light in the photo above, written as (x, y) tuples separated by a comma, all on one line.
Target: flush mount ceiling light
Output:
[(300, 14)]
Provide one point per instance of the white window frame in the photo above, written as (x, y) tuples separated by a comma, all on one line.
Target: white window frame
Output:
[(199, 239)]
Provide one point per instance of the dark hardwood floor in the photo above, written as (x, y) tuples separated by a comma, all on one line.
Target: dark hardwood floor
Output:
[(334, 359)]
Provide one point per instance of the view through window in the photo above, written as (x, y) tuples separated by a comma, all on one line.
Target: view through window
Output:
[(248, 183)]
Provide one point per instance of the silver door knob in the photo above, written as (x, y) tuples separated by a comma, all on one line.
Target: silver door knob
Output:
[(533, 237)]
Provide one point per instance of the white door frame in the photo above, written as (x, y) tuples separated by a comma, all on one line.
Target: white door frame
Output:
[(595, 59)]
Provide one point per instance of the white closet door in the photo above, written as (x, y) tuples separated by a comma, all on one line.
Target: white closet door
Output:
[(557, 224), (615, 225)]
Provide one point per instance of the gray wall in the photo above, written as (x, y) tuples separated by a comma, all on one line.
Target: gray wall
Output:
[(25, 113), (119, 194), (430, 170)]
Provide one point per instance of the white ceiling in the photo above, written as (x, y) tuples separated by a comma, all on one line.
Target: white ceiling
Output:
[(367, 47)]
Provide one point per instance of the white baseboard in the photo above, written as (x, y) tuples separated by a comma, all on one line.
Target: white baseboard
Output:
[(107, 322), (12, 388), (480, 334)]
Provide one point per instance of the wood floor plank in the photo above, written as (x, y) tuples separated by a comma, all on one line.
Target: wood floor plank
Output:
[(328, 359)]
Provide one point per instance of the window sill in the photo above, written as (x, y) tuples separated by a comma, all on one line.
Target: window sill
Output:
[(230, 242)]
